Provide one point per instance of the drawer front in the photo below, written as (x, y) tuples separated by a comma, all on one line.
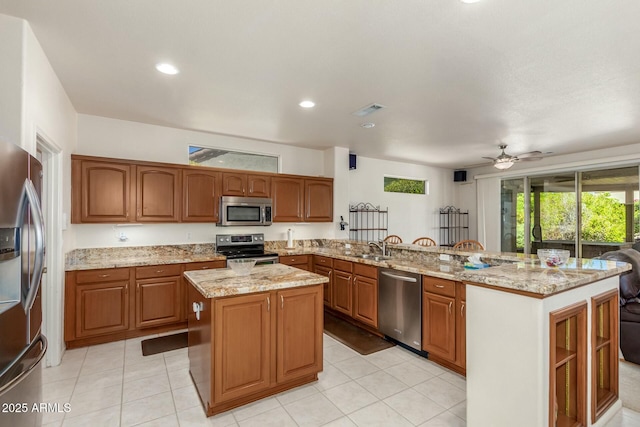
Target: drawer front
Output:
[(439, 286), (365, 270), (102, 275), (294, 259), (158, 271), (205, 265), (323, 260), (341, 265)]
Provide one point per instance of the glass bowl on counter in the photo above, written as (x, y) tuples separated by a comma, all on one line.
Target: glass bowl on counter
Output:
[(241, 266), (553, 257)]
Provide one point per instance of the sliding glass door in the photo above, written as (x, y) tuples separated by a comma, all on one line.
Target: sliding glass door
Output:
[(587, 213)]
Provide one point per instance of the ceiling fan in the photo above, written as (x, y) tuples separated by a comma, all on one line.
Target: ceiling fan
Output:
[(505, 161)]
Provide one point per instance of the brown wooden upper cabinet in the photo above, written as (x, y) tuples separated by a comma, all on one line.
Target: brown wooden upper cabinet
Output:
[(245, 185), (288, 199), (158, 194), (200, 195), (102, 191), (318, 197)]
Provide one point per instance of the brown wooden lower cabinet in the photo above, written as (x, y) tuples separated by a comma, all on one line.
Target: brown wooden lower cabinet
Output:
[(342, 292), (444, 322), (365, 290), (112, 304), (258, 344)]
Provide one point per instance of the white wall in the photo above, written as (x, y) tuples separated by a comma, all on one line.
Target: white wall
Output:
[(11, 84), (105, 137), (410, 215)]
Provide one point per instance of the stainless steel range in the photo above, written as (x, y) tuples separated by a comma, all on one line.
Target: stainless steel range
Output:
[(250, 246)]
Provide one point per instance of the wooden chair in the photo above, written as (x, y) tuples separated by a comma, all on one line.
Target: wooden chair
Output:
[(469, 245), (425, 241), (393, 239)]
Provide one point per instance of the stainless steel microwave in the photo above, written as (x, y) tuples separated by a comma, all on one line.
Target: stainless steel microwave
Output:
[(245, 211)]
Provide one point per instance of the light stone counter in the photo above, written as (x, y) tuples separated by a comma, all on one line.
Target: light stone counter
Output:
[(225, 282)]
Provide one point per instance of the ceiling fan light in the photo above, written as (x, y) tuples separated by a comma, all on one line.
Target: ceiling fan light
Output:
[(502, 165)]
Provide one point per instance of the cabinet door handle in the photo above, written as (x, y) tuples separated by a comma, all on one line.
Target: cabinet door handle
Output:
[(268, 304), (330, 272), (103, 275), (138, 287), (462, 310), (355, 280), (281, 301), (126, 288), (450, 304), (439, 286)]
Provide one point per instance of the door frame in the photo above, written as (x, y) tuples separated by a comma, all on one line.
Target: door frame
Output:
[(53, 281)]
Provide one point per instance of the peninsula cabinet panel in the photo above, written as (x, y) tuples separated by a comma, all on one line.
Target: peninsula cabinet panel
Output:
[(242, 345), (101, 308), (234, 184), (158, 301), (438, 325), (102, 192), (158, 194), (318, 195), (299, 332), (288, 199), (201, 195), (200, 338)]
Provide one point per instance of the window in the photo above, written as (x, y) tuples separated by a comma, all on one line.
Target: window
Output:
[(222, 158), (404, 185)]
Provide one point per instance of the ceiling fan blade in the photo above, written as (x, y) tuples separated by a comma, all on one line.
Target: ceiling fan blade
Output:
[(529, 159), (529, 154), (489, 158)]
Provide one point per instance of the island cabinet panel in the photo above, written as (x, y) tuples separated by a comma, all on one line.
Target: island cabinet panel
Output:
[(201, 195), (288, 199), (200, 344), (299, 333), (158, 194), (242, 345), (102, 192), (101, 308), (318, 195)]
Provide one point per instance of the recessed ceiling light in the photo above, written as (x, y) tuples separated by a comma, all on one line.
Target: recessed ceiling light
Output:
[(469, 1), (307, 104), (167, 68), (367, 125)]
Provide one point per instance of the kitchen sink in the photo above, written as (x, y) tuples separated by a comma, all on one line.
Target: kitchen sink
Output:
[(373, 257)]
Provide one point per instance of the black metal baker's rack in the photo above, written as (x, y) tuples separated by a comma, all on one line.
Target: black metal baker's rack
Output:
[(454, 225), (368, 222)]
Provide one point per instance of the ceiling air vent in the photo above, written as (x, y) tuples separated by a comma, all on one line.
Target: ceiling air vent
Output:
[(365, 111)]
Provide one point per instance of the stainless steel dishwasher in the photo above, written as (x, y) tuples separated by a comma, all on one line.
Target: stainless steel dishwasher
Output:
[(400, 306)]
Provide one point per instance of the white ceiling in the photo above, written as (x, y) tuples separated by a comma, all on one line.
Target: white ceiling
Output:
[(548, 75)]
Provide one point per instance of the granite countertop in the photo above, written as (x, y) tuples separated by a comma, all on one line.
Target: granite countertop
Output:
[(508, 272), (97, 258), (225, 282), (526, 275)]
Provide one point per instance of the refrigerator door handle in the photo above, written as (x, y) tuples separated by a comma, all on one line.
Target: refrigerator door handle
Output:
[(30, 196), (25, 372)]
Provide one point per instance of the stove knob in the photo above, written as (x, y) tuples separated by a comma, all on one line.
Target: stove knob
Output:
[(260, 238)]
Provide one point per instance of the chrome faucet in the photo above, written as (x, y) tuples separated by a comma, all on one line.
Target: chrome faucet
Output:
[(382, 245)]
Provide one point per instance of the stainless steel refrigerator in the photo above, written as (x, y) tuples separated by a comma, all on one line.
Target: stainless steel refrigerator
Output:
[(22, 345)]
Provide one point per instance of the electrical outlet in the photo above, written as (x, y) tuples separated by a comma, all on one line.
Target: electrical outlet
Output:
[(445, 257), (347, 245), (123, 237)]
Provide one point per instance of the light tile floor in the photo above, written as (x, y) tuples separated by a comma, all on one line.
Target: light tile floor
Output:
[(113, 385)]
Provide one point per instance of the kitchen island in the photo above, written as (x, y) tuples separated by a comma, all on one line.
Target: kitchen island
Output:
[(253, 336)]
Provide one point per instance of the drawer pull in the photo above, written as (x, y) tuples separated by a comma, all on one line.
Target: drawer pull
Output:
[(462, 310), (159, 271), (204, 268), (102, 276), (439, 286)]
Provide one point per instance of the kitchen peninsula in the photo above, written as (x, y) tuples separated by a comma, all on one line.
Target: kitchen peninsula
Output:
[(253, 336)]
